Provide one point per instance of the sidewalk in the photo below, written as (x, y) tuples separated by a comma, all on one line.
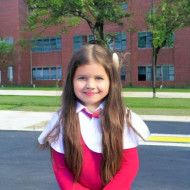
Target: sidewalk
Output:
[(125, 94), (24, 120), (36, 121), (158, 94), (31, 92)]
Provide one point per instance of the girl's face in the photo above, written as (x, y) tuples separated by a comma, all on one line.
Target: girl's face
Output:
[(91, 84)]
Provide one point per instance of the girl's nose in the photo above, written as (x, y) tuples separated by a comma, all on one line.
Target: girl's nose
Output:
[(90, 83)]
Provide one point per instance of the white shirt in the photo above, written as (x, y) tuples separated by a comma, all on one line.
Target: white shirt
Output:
[(91, 131)]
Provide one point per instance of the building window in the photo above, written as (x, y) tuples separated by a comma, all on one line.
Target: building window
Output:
[(123, 74), (115, 42), (144, 40), (47, 73), (79, 41), (9, 40), (163, 73), (124, 6), (144, 73), (91, 39), (10, 73), (46, 44), (120, 41)]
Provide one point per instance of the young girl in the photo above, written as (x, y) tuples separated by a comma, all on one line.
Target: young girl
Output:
[(93, 137)]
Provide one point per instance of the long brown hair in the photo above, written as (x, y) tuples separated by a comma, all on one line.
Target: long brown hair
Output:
[(112, 117)]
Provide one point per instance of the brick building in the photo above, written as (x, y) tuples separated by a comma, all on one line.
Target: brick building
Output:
[(45, 64)]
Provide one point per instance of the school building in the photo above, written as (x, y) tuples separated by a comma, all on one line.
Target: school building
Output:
[(45, 63)]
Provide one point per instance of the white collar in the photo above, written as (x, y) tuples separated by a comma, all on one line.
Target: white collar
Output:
[(80, 106), (92, 134)]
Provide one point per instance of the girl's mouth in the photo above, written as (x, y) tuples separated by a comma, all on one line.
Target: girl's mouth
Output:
[(90, 93)]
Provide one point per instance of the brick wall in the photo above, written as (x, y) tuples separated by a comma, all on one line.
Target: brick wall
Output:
[(12, 18)]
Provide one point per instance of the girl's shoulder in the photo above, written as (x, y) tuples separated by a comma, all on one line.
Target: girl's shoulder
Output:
[(51, 129), (139, 125)]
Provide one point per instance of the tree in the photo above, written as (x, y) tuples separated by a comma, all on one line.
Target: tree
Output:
[(67, 13), (162, 21), (6, 53)]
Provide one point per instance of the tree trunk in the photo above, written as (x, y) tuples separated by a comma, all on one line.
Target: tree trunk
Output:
[(154, 74), (99, 31)]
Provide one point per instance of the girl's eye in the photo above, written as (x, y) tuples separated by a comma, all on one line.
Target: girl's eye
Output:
[(99, 78), (82, 78)]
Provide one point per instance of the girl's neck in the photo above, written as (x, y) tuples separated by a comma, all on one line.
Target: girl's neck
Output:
[(91, 109)]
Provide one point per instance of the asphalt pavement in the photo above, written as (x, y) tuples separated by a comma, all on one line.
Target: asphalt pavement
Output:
[(24, 167)]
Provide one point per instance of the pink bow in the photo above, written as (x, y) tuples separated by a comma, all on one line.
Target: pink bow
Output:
[(94, 114)]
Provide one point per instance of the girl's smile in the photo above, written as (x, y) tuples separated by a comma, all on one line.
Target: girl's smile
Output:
[(90, 93), (91, 84)]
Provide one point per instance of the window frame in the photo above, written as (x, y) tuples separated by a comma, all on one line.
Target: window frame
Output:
[(111, 41), (10, 75), (46, 44), (163, 73), (147, 41), (40, 73), (123, 73)]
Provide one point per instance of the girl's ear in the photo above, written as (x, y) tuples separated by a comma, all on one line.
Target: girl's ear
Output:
[(115, 60)]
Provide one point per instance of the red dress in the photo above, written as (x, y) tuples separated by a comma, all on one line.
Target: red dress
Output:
[(90, 173), (91, 144)]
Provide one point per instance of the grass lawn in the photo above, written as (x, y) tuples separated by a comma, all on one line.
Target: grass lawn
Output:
[(140, 89), (143, 106), (159, 106), (129, 89), (30, 103)]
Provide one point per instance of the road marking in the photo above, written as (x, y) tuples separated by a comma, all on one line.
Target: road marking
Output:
[(169, 138)]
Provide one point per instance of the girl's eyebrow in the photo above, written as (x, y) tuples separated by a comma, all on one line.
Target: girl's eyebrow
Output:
[(99, 75), (87, 75), (81, 75)]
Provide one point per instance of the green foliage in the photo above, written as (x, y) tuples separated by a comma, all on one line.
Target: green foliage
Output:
[(165, 18), (6, 53), (162, 21), (67, 13)]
